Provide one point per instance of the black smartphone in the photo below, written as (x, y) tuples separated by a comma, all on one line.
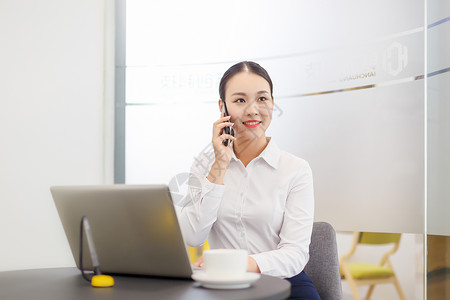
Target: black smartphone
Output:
[(227, 129)]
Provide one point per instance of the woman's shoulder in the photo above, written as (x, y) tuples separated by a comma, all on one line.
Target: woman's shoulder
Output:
[(284, 160), (292, 161)]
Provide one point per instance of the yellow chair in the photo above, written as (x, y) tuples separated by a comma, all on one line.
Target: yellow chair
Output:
[(368, 274), (196, 252)]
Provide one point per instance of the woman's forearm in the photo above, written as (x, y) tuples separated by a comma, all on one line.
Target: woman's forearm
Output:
[(217, 172)]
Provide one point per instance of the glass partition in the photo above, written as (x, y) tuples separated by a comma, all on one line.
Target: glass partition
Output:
[(361, 92), (438, 147), (348, 91)]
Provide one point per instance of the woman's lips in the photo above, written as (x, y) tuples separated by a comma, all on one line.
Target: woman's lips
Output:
[(251, 123)]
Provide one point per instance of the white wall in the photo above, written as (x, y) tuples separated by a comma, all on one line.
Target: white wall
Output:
[(51, 121)]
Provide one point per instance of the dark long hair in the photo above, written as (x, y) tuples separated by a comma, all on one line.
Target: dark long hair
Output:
[(243, 66)]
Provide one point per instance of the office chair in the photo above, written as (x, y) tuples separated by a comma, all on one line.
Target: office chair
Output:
[(323, 265), (369, 274)]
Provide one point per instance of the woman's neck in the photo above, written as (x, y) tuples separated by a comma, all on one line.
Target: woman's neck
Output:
[(247, 149)]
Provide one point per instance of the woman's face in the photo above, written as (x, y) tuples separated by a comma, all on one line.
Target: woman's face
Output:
[(249, 103)]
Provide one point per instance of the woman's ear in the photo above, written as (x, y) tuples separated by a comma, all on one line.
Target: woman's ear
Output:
[(222, 110)]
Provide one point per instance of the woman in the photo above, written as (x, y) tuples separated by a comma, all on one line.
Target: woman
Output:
[(249, 194)]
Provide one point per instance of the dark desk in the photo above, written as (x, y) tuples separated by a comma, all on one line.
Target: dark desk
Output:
[(67, 283)]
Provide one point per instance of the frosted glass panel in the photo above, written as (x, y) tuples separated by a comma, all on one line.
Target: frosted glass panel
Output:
[(348, 89), (174, 84), (201, 31), (162, 141), (438, 200), (439, 154), (366, 150)]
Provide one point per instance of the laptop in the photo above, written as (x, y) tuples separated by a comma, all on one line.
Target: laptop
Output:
[(134, 228)]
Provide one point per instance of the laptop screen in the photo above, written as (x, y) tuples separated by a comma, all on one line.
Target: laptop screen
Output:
[(134, 228)]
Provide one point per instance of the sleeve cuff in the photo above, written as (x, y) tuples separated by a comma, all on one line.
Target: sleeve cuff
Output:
[(264, 268)]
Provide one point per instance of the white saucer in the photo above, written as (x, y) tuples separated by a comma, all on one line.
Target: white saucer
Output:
[(241, 282)]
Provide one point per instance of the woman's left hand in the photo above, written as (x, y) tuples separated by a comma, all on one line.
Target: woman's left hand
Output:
[(252, 266)]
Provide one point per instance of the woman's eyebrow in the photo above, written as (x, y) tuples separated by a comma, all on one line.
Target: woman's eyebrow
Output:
[(239, 94), (244, 94)]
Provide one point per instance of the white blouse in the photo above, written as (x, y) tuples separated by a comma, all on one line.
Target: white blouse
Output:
[(266, 208)]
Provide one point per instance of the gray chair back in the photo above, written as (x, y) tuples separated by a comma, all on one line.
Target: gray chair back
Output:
[(323, 264)]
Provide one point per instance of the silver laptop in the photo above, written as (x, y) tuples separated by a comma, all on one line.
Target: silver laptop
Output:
[(134, 227)]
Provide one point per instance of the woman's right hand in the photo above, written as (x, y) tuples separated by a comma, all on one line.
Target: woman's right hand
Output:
[(222, 153)]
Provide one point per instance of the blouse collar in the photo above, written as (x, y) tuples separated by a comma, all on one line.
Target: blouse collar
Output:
[(271, 154)]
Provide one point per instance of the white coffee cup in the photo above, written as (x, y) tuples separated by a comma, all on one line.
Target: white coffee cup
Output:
[(225, 263)]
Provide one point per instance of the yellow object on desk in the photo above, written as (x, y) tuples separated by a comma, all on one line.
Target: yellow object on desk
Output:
[(102, 281)]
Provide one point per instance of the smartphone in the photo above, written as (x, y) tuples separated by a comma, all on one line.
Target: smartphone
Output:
[(227, 130)]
